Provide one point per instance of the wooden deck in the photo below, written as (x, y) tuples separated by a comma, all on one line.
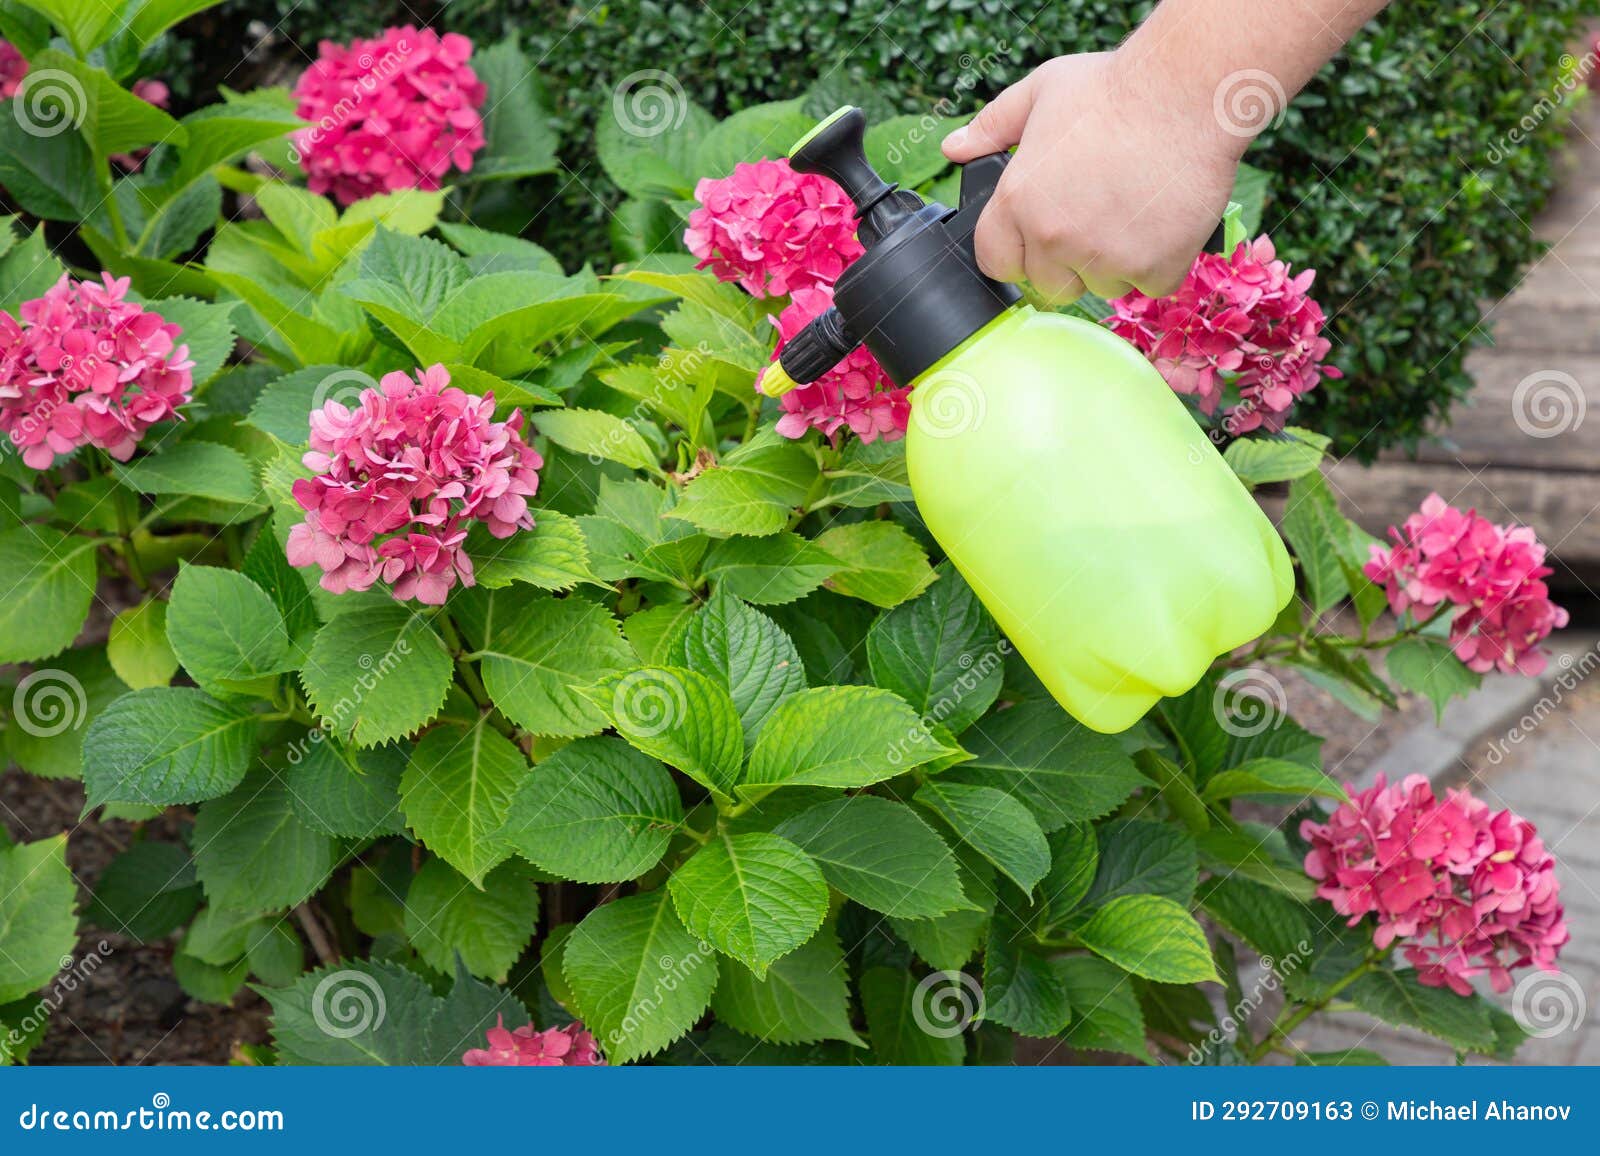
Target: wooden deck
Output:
[(1546, 333)]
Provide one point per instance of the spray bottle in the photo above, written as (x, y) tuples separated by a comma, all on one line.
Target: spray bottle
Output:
[(1063, 478)]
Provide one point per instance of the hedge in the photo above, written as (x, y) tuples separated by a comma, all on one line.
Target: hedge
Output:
[(1392, 173)]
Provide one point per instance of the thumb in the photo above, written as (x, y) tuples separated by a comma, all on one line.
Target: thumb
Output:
[(997, 126)]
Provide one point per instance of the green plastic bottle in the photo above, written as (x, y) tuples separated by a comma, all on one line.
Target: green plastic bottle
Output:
[(1061, 475)]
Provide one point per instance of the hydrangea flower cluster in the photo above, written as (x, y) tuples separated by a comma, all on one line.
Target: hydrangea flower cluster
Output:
[(400, 477), (527, 1047), (13, 69), (394, 112), (1243, 318), (85, 366), (1471, 891), (1494, 574), (776, 232)]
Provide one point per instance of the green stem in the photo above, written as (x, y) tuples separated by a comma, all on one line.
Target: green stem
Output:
[(1285, 1024)]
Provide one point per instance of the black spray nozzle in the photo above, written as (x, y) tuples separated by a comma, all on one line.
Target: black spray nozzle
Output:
[(837, 149)]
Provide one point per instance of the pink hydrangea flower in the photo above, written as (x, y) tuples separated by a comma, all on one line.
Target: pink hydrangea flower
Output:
[(526, 1047), (400, 477), (1492, 574), (395, 112), (84, 366), (13, 68), (1467, 890), (773, 230), (1244, 319), (855, 393)]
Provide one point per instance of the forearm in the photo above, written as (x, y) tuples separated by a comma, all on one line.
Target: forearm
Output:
[(1231, 66)]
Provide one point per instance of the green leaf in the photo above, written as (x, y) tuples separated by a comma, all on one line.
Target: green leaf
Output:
[(220, 936), (993, 824), (223, 626), (207, 329), (538, 655), (199, 469), (1272, 777), (457, 792), (596, 811), (597, 434), (753, 492), (346, 793), (85, 25), (1274, 925), (906, 149), (868, 475), (883, 564), (376, 674), (1259, 461), (748, 653), (146, 893), (770, 571), (275, 954), (1316, 531), (52, 707), (1106, 1013), (27, 270), (252, 852), (756, 897), (52, 177), (1074, 862), (1138, 856), (945, 942), (682, 718), (552, 556), (1057, 768), (207, 982), (1150, 936), (49, 581), (898, 1020), (631, 955), (1345, 1058), (37, 928), (354, 1012), (839, 736), (1398, 998), (1022, 988), (804, 997), (647, 144), (941, 653), (469, 1011), (166, 745), (487, 926), (60, 90), (1256, 853), (283, 408), (755, 133), (881, 854), (150, 18), (521, 141), (1428, 667), (138, 649)]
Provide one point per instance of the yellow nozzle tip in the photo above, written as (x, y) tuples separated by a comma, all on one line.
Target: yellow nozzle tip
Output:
[(775, 382), (820, 125)]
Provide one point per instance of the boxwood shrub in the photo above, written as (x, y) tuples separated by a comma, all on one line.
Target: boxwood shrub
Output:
[(1392, 171)]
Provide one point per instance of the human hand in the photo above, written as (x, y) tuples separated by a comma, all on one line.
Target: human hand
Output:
[(1118, 178)]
